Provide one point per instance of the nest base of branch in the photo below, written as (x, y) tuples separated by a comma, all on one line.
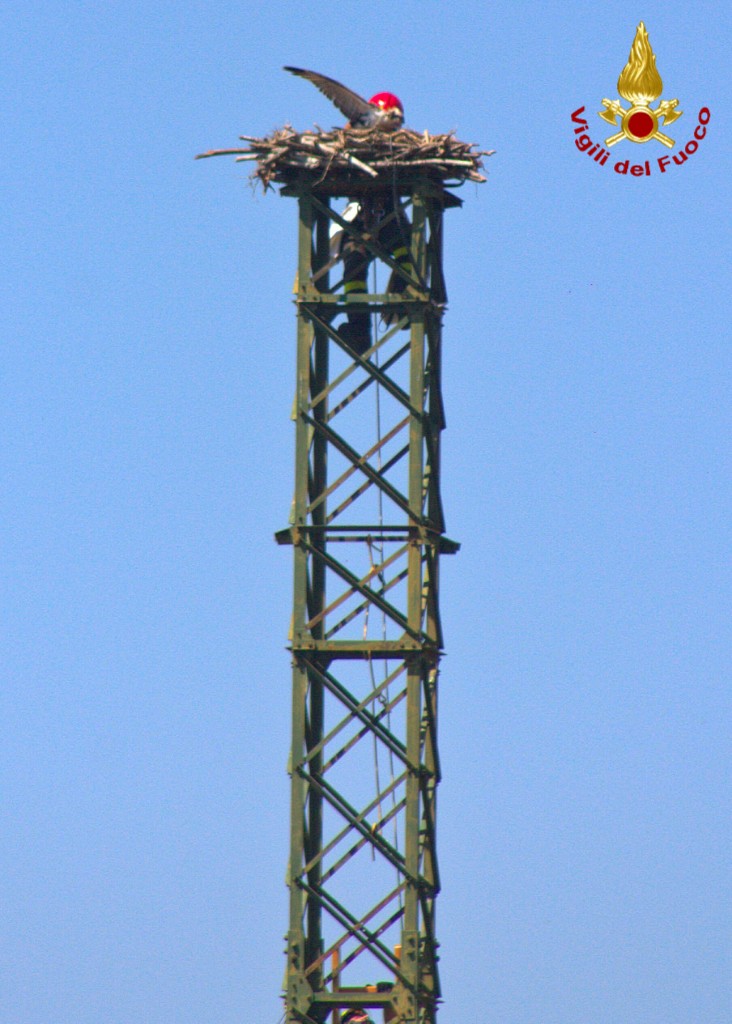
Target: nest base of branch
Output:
[(348, 160)]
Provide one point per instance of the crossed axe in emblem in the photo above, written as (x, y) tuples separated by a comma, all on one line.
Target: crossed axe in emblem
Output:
[(666, 109)]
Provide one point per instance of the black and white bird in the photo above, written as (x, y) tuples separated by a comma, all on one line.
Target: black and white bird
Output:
[(383, 111)]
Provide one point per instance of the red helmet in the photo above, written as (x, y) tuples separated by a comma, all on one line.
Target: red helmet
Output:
[(386, 100)]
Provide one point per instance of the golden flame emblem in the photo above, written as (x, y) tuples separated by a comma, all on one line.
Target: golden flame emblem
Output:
[(640, 84), (639, 81)]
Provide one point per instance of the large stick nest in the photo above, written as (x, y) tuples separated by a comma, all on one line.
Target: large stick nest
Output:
[(360, 154)]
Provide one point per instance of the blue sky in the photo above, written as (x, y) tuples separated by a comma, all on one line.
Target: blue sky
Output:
[(147, 457)]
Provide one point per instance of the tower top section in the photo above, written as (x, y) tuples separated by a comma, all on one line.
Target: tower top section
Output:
[(351, 161)]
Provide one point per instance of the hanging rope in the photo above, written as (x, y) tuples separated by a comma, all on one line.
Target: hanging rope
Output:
[(378, 546)]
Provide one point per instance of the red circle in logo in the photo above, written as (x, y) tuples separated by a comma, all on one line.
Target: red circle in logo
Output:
[(641, 125)]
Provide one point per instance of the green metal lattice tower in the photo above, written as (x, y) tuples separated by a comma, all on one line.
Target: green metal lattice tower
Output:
[(367, 531)]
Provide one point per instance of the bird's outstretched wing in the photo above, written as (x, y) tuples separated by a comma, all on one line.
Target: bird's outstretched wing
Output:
[(355, 107)]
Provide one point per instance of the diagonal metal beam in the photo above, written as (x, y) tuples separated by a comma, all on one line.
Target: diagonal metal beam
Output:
[(351, 933), (348, 830), (362, 460), (374, 475), (377, 373), (371, 595), (357, 711), (371, 379), (348, 920), (393, 812), (339, 803), (373, 571), (389, 464), (362, 946), (359, 609), (393, 703)]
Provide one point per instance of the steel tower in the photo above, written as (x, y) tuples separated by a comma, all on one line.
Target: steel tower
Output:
[(367, 532)]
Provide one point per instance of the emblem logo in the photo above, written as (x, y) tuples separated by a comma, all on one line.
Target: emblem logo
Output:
[(640, 84)]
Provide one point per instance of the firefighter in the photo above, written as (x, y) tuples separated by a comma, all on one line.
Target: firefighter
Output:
[(383, 217)]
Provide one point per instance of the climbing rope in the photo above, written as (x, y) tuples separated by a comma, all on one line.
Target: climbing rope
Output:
[(378, 547)]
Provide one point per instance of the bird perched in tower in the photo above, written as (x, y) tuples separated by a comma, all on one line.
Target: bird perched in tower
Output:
[(383, 111)]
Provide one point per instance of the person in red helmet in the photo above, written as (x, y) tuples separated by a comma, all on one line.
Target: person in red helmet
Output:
[(380, 214)]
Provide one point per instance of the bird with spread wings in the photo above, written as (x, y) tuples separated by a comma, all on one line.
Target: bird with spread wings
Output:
[(383, 111)]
